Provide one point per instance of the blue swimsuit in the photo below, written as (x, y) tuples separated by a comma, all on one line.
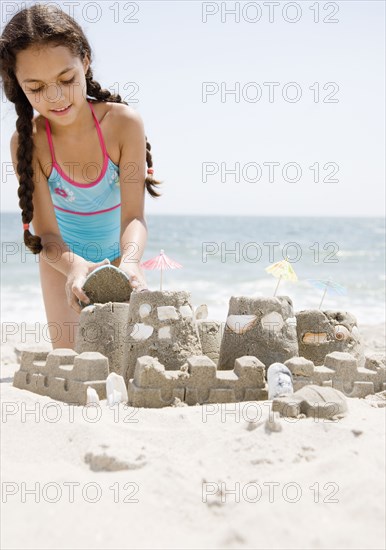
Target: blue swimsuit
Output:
[(88, 214)]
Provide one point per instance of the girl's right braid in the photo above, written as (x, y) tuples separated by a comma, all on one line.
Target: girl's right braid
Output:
[(25, 169)]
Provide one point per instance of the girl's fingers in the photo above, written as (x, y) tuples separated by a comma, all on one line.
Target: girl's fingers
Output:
[(103, 262), (134, 281), (78, 292), (93, 265), (138, 285), (73, 301)]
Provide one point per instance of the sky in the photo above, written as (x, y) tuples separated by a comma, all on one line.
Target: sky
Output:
[(302, 134)]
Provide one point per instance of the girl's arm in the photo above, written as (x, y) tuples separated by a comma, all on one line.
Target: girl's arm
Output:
[(132, 166), (55, 251)]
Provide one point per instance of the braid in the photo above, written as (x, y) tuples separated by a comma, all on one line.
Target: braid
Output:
[(24, 167), (94, 89)]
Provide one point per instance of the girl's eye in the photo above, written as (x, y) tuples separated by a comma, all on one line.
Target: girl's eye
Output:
[(63, 81), (69, 81)]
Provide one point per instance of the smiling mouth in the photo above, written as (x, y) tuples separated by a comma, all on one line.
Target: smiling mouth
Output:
[(60, 110)]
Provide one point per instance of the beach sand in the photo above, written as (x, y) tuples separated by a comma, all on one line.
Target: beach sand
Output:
[(188, 477)]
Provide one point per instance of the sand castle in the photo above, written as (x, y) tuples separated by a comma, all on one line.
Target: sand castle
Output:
[(196, 382), (314, 401), (155, 323), (322, 332), (63, 374), (165, 351), (263, 327), (342, 372)]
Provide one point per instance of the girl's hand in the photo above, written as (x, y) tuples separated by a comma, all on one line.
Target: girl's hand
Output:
[(75, 281), (136, 278)]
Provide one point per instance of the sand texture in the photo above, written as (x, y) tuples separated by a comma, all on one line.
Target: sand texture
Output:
[(215, 476)]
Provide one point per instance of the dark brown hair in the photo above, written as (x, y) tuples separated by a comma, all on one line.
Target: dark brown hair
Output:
[(44, 25)]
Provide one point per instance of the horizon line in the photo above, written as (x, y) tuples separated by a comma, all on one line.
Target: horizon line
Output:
[(225, 215)]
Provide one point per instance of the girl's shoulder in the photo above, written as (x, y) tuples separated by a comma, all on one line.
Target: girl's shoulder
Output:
[(111, 117), (101, 109), (39, 132)]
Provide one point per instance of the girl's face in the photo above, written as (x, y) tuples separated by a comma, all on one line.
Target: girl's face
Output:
[(52, 78)]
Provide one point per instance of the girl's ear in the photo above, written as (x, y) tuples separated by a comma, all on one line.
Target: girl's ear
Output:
[(86, 63)]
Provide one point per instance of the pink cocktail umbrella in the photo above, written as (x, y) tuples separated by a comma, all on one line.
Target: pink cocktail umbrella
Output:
[(161, 262)]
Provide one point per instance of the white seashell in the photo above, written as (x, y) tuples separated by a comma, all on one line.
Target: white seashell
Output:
[(167, 312), (186, 311), (272, 321), (201, 312), (355, 332), (341, 332), (279, 381), (291, 321), (92, 396), (141, 331), (164, 332), (113, 398), (314, 338), (144, 310), (240, 324), (115, 389)]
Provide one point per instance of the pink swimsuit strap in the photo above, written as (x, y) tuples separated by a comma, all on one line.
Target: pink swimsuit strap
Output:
[(100, 135)]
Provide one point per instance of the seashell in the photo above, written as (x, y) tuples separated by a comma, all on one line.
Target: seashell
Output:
[(114, 397), (314, 338), (291, 321), (186, 311), (141, 331), (164, 332), (92, 396), (144, 310), (272, 321), (115, 389), (279, 379), (341, 332), (240, 324), (201, 312), (167, 312)]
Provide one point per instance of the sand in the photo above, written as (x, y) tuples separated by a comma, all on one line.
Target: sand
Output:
[(188, 477)]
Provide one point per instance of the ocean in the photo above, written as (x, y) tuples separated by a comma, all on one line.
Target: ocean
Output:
[(224, 256)]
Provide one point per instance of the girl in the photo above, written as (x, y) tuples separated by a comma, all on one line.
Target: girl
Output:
[(80, 163)]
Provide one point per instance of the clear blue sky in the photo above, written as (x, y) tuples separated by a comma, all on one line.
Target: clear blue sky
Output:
[(169, 52)]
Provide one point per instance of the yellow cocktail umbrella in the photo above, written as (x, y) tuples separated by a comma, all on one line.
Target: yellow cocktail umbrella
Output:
[(282, 270)]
